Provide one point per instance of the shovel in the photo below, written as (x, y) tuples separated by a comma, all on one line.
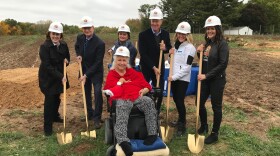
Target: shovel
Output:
[(91, 134), (196, 141), (167, 132), (63, 137)]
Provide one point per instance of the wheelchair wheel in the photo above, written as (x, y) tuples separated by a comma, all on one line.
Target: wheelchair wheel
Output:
[(108, 132), (111, 151)]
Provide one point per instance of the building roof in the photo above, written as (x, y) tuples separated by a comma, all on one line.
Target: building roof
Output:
[(237, 28)]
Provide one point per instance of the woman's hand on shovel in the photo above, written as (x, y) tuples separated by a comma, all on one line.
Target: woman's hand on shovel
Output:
[(156, 70), (64, 80), (83, 79)]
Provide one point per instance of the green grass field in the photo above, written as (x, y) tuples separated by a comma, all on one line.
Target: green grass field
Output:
[(231, 142)]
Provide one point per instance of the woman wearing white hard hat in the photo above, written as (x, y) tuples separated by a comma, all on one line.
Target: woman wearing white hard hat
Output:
[(53, 53), (213, 77), (149, 48), (184, 52), (124, 40), (127, 86), (90, 50)]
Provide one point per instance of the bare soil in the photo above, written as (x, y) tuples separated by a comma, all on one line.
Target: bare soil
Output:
[(253, 86)]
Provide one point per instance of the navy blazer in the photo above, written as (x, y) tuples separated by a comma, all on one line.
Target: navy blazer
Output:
[(92, 57), (149, 49)]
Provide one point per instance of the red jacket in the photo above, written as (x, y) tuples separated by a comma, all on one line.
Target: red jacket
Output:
[(129, 90)]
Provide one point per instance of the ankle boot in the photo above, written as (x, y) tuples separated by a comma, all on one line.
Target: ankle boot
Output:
[(126, 147), (181, 129), (212, 138), (203, 129)]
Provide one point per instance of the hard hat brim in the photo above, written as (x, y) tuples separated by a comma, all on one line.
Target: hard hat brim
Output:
[(86, 25), (55, 31)]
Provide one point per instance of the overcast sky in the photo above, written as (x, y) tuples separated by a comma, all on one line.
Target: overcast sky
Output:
[(104, 12)]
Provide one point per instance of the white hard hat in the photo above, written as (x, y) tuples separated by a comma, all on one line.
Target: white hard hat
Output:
[(122, 51), (56, 27), (124, 28), (184, 28), (156, 14), (86, 21), (212, 21)]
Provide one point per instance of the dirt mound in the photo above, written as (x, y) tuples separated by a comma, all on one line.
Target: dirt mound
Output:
[(20, 88)]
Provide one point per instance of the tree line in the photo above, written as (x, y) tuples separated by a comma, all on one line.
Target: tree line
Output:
[(262, 16)]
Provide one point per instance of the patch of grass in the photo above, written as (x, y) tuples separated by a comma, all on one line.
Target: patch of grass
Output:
[(14, 143), (22, 113), (238, 114), (233, 45), (231, 142), (274, 133), (240, 143)]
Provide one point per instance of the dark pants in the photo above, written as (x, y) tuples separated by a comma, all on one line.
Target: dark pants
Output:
[(98, 99), (179, 89), (51, 105), (149, 74), (215, 88)]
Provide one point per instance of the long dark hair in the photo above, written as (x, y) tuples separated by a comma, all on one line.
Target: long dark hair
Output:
[(219, 34)]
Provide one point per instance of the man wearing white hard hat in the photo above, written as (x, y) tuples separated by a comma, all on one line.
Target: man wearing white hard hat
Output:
[(213, 77), (184, 52), (124, 40), (90, 51), (149, 42), (127, 86), (53, 52)]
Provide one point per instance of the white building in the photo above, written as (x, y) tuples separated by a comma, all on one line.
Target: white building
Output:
[(239, 31)]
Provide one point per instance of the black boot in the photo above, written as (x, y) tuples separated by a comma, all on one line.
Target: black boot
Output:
[(58, 119), (126, 147), (150, 140), (212, 138), (203, 129), (181, 130), (48, 129)]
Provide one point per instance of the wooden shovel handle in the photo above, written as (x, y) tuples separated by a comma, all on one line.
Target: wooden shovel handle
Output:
[(198, 91), (159, 65), (64, 95), (169, 87), (84, 95)]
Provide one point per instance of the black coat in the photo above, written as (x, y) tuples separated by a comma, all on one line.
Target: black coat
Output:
[(130, 47), (150, 50), (92, 58), (217, 62), (51, 67)]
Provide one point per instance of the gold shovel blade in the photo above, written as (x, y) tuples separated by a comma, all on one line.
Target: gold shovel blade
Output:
[(91, 134), (167, 133), (195, 144), (64, 139)]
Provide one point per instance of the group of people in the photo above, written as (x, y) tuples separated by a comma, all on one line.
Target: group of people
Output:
[(127, 86)]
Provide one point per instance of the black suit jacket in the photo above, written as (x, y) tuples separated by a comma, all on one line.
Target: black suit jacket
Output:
[(92, 56), (149, 49)]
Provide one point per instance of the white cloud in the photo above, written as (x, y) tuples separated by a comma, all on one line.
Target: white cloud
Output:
[(103, 12)]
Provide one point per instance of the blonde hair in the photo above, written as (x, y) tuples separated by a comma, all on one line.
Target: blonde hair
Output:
[(189, 37), (114, 62)]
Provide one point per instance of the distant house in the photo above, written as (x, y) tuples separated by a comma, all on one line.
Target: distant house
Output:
[(239, 31)]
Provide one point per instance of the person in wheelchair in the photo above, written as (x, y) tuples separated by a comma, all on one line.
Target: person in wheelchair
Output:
[(127, 87)]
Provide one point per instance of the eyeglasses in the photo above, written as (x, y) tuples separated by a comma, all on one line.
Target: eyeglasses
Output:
[(55, 34)]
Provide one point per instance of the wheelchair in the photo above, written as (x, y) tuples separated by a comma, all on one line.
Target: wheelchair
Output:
[(136, 131)]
